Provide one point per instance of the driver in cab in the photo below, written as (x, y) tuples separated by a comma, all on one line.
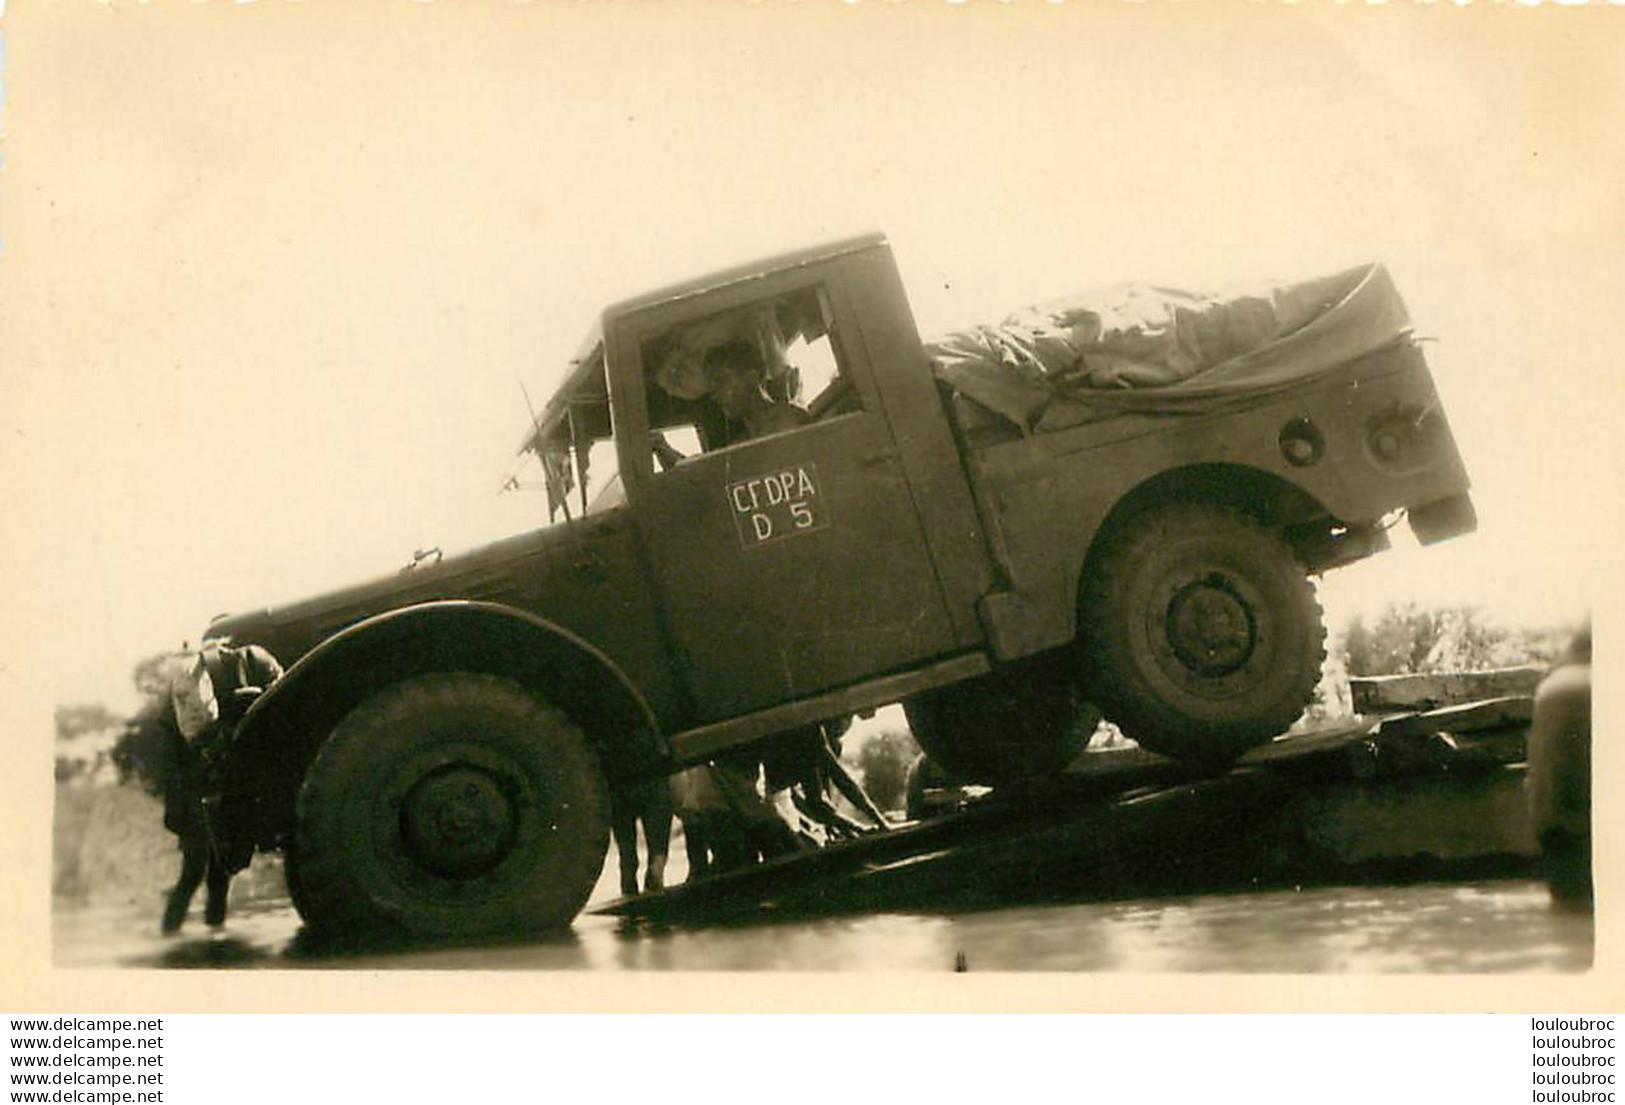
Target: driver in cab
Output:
[(737, 375)]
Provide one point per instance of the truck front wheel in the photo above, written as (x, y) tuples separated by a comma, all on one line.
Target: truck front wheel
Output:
[(1022, 722), (451, 805), (1200, 632)]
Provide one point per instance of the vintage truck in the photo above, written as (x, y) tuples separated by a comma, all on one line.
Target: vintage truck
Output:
[(440, 755)]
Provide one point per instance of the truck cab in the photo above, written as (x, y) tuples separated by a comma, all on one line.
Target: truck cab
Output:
[(798, 561)]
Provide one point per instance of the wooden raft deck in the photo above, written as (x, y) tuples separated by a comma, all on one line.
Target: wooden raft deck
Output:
[(1403, 793)]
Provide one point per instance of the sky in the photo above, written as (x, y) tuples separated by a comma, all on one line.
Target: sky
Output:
[(273, 273)]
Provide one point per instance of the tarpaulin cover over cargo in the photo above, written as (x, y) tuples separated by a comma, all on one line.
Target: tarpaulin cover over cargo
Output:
[(1140, 348)]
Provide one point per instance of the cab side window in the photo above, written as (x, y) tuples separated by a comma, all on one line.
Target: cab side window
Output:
[(765, 368)]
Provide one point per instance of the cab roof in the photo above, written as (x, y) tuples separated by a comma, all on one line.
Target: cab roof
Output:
[(810, 255), (584, 382)]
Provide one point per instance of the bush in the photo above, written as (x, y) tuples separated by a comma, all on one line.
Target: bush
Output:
[(1407, 639)]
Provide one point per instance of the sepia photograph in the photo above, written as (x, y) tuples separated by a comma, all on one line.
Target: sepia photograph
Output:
[(1097, 488)]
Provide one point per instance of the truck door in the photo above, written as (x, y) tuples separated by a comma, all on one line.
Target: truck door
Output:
[(786, 549)]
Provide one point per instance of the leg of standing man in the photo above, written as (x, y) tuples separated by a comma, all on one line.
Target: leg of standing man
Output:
[(194, 863)]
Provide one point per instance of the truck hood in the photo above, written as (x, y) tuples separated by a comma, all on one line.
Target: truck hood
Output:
[(517, 571)]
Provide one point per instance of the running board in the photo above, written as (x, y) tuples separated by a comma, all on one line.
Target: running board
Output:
[(697, 745)]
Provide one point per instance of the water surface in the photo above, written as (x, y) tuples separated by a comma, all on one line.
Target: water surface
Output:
[(1496, 926)]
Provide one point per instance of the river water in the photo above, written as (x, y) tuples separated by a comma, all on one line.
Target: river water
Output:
[(1497, 926)]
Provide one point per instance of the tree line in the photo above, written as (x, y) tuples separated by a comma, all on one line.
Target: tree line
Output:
[(1411, 639)]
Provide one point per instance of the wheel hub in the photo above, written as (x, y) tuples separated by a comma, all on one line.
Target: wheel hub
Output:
[(458, 822), (1210, 628)]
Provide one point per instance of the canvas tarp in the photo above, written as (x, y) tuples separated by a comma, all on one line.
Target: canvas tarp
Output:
[(1148, 349)]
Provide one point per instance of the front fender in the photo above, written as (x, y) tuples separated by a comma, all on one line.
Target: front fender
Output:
[(282, 731)]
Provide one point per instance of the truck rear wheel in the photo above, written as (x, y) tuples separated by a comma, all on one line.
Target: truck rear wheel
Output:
[(1200, 632), (1023, 722), (451, 805)]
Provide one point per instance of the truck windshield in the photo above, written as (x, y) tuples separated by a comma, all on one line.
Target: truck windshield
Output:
[(570, 437), (701, 376)]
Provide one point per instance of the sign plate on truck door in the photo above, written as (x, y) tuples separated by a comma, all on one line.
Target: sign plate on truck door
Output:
[(777, 504)]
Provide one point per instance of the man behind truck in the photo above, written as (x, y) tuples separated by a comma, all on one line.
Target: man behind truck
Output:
[(210, 691), (1560, 774)]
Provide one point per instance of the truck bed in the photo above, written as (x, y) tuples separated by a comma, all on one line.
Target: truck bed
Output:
[(1140, 348)]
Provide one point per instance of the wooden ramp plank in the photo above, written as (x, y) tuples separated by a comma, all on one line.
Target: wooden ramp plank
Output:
[(1128, 818), (1496, 713), (1390, 693)]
